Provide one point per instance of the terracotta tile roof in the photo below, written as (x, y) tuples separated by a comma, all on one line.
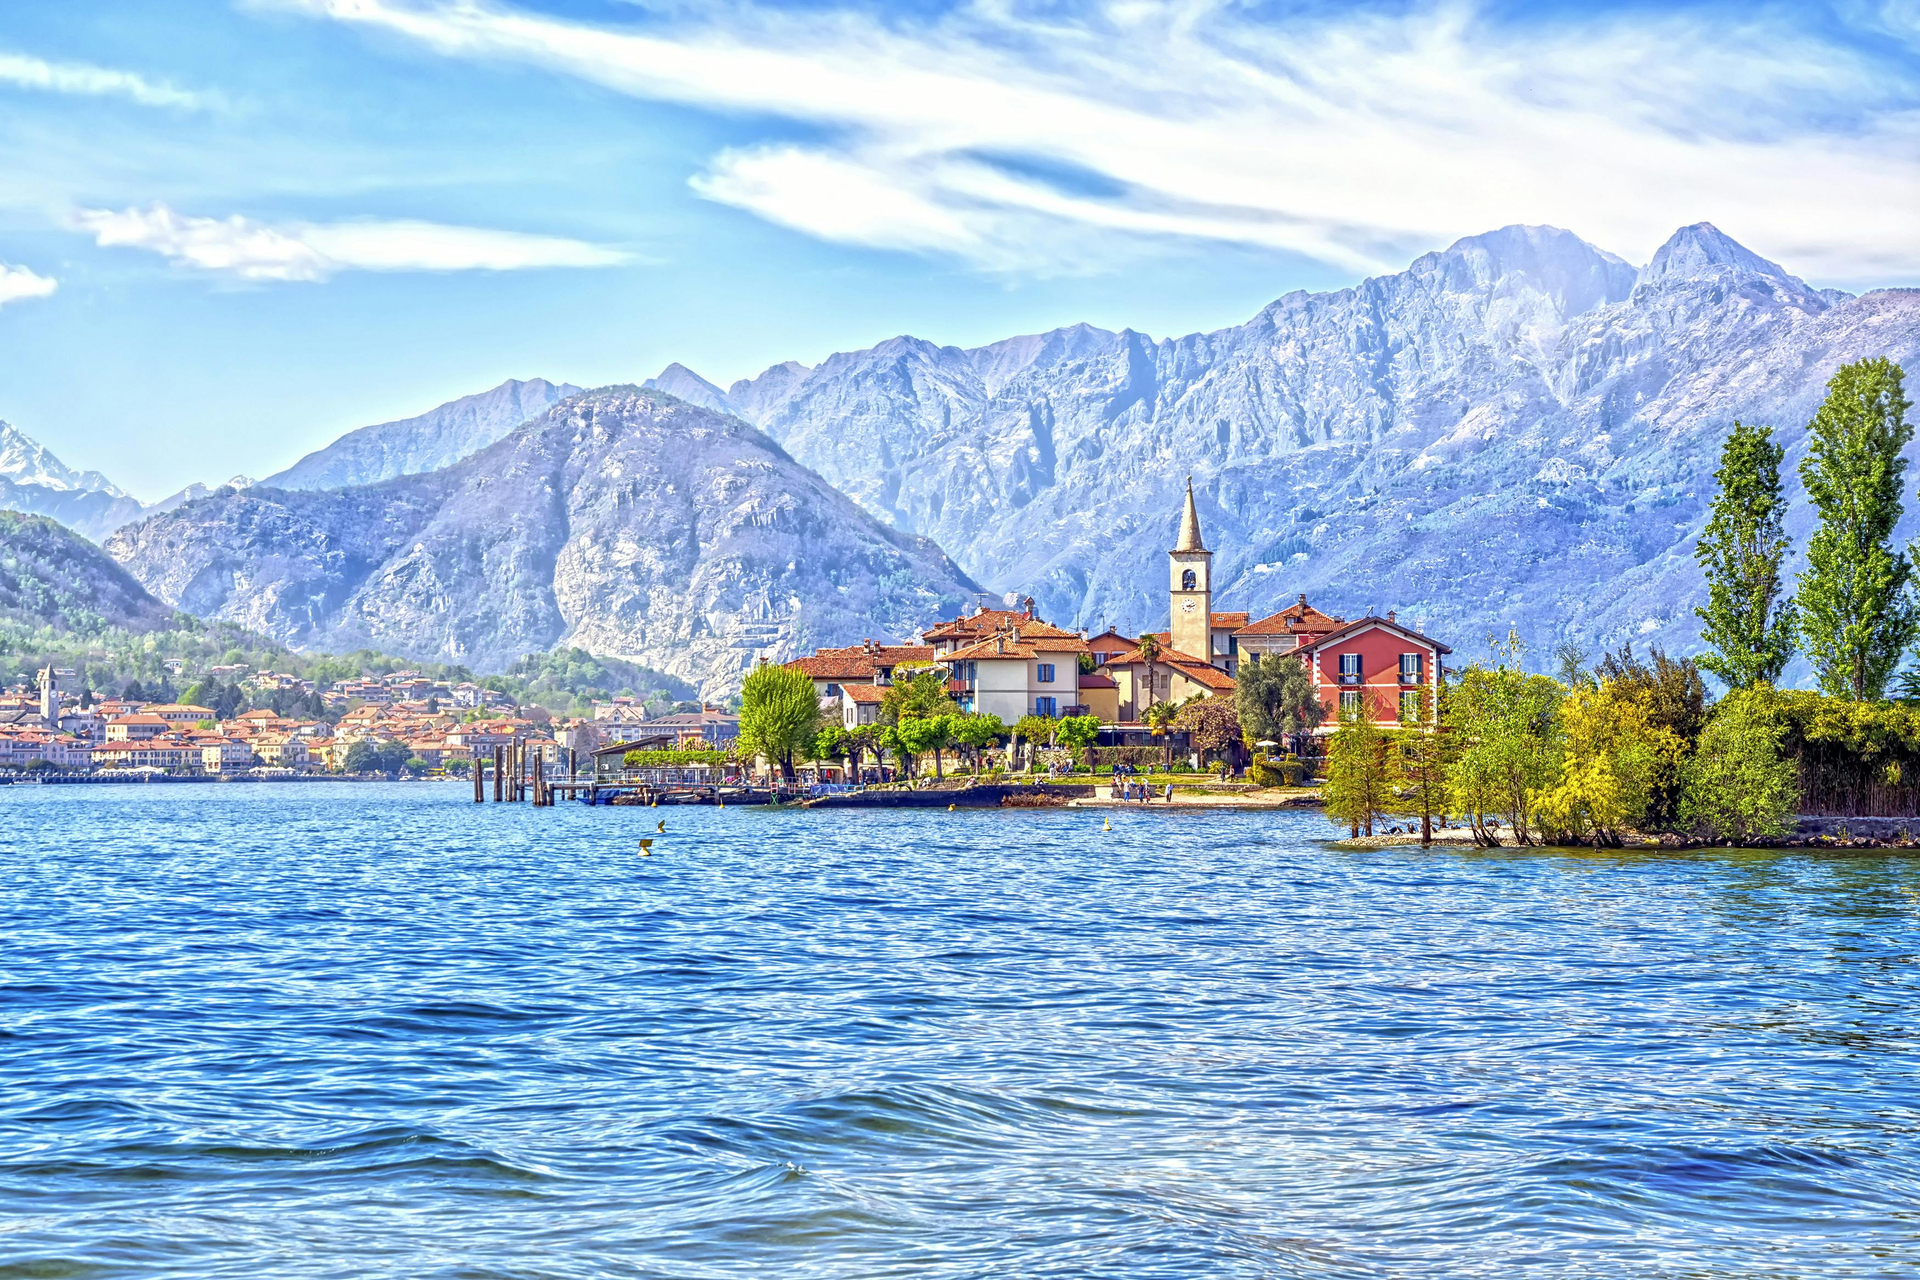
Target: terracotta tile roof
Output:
[(984, 622), (864, 693), (1225, 620), (1110, 641), (1198, 670), (1018, 643), (1361, 624), (1094, 680), (1296, 619), (859, 661)]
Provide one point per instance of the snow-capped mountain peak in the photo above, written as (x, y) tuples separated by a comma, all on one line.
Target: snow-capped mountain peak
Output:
[(24, 460)]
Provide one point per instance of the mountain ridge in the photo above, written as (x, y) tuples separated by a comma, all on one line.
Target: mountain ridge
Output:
[(622, 520), (1517, 430), (440, 437)]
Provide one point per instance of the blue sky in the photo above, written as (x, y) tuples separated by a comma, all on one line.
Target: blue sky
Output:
[(231, 230)]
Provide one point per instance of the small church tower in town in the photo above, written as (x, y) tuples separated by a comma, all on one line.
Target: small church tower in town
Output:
[(1192, 583)]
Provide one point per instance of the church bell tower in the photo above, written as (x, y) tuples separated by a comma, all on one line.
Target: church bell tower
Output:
[(1192, 586)]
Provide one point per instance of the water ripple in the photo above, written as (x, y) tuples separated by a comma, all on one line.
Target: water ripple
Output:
[(345, 1031)]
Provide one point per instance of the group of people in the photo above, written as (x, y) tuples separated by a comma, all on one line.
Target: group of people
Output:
[(1125, 787)]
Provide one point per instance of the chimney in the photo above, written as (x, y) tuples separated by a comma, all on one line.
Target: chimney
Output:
[(1303, 601), (1389, 615)]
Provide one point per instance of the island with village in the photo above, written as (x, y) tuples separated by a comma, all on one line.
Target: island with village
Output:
[(1006, 669), (1367, 718)]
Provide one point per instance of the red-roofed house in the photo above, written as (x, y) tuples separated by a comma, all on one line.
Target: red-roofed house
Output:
[(1376, 665), (1287, 630), (1029, 668)]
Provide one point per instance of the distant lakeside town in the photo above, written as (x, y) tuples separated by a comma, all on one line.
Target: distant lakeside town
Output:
[(1004, 665)]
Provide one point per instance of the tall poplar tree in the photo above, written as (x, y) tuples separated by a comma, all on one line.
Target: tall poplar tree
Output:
[(1748, 623), (1856, 613)]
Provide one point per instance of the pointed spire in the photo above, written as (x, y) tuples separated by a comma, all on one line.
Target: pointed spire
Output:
[(1189, 525)]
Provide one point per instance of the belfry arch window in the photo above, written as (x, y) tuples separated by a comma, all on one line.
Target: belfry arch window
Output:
[(1189, 580)]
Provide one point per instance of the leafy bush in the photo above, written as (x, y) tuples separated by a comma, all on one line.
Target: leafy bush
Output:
[(671, 759)]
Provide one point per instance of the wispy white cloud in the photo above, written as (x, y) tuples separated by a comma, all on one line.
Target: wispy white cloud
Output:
[(17, 283), (253, 250), (81, 79), (1020, 135)]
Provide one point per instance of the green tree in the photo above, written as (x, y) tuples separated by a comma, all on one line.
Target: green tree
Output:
[(779, 714), (1748, 624), (862, 739), (1855, 613), (416, 766), (921, 735), (1503, 724), (832, 742), (1275, 698), (1425, 759), (1613, 759), (1363, 773), (370, 756), (1673, 698), (1739, 787), (922, 693), (977, 732), (1077, 733), (1037, 730), (1570, 666)]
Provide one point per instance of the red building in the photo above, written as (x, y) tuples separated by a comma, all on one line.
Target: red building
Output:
[(1376, 665)]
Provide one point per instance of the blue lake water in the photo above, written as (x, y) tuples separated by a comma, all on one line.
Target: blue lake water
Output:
[(359, 1030)]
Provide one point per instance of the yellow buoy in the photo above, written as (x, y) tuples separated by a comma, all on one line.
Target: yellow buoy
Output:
[(1108, 826), (950, 808), (662, 827), (646, 848)]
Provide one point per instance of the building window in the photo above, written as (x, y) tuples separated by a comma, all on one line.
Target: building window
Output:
[(833, 691), (1045, 707), (1411, 711), (1349, 701), (1411, 667), (1349, 668), (1046, 673), (1189, 580)]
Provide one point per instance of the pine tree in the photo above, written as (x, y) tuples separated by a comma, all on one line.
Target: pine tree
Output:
[(1856, 614), (1748, 624), (1426, 756), (1363, 774)]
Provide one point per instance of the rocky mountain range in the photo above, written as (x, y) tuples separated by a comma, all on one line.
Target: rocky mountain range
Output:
[(52, 577), (434, 439), (622, 521), (1517, 431), (33, 480)]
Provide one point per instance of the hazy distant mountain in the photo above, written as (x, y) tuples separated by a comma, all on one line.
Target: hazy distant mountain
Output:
[(435, 439), (33, 480), (52, 577), (1518, 430), (683, 383), (623, 521), (192, 491)]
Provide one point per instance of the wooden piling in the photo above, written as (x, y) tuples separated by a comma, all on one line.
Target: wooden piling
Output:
[(499, 775)]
